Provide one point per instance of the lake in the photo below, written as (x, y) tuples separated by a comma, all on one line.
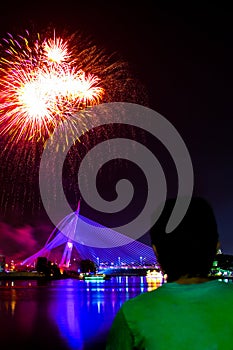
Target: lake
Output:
[(64, 314)]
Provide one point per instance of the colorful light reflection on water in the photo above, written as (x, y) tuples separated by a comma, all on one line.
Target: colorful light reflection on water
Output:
[(64, 314)]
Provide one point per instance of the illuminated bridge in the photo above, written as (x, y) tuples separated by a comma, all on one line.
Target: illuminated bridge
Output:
[(77, 236)]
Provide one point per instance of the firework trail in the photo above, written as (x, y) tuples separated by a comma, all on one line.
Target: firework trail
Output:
[(44, 79)]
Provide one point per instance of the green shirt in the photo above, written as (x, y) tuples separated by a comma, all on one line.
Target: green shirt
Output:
[(176, 316)]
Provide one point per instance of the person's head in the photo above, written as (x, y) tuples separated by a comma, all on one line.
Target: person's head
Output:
[(189, 250)]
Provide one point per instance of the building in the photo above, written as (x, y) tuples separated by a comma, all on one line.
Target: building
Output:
[(2, 263)]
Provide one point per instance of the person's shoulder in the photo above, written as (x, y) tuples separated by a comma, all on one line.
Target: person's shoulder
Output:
[(141, 300), (222, 293), (225, 286)]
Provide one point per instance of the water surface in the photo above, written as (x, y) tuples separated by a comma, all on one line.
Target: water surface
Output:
[(63, 314)]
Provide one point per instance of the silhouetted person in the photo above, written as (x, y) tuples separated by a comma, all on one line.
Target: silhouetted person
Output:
[(191, 311)]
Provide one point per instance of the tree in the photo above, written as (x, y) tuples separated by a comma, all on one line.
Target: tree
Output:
[(42, 265), (87, 265)]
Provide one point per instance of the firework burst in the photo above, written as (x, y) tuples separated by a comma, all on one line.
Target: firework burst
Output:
[(44, 79), (40, 86)]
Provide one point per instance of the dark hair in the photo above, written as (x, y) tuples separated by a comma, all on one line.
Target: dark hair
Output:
[(191, 247)]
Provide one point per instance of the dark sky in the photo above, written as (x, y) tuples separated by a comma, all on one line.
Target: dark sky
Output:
[(183, 56)]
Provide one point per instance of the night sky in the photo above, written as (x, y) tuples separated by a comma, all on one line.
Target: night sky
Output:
[(183, 58)]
